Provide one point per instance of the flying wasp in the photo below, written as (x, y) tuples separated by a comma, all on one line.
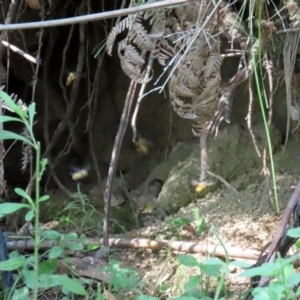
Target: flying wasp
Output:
[(79, 173)]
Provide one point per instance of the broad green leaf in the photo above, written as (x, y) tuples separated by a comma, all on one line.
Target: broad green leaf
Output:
[(13, 263), (23, 194), (8, 208), (44, 198), (8, 135), (73, 285), (51, 235), (188, 260), (31, 112), (293, 279), (55, 252), (29, 215), (74, 246), (192, 283), (21, 294), (211, 270), (48, 266), (276, 290), (240, 264), (294, 232), (70, 236), (4, 119), (212, 262), (47, 281), (261, 294), (184, 298), (267, 269), (29, 278), (145, 297)]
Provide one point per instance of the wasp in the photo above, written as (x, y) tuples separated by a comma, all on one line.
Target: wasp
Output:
[(78, 173)]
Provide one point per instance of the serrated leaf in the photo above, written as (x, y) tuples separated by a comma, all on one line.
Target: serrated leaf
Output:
[(73, 285), (8, 135), (29, 278), (188, 260), (13, 263), (21, 294), (294, 232), (211, 270), (267, 269), (240, 264), (145, 297), (48, 266), (192, 283)]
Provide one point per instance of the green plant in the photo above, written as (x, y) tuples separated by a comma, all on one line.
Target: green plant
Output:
[(35, 273), (81, 208), (285, 281)]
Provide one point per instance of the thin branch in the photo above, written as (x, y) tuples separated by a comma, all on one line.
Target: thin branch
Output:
[(113, 165), (93, 17), (19, 51), (11, 16)]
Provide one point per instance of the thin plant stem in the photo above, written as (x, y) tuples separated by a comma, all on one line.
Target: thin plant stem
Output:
[(36, 225)]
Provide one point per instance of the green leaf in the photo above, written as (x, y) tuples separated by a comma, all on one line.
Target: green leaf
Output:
[(8, 135), (55, 252), (31, 112), (293, 279), (260, 293), (29, 215), (23, 194), (240, 264), (13, 263), (74, 246), (8, 208), (212, 262), (29, 278), (70, 236), (21, 294), (145, 297), (192, 283), (211, 270), (294, 232), (267, 269), (48, 266), (188, 260), (51, 235), (73, 285), (48, 281), (4, 119), (44, 198), (9, 102)]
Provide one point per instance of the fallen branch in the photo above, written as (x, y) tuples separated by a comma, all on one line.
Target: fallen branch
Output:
[(142, 243), (92, 17)]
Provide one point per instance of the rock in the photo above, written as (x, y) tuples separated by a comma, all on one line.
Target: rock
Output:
[(231, 154)]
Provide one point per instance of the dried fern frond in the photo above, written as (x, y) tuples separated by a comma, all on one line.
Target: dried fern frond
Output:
[(139, 36), (26, 151), (130, 53), (213, 65), (124, 24)]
